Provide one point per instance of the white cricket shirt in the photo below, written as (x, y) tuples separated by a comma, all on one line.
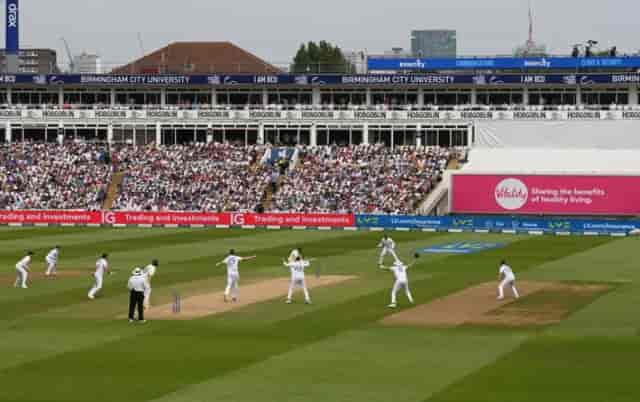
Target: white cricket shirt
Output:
[(101, 266), (388, 244), (297, 269), (507, 272), (150, 270), (52, 257), (24, 262), (232, 265), (400, 272)]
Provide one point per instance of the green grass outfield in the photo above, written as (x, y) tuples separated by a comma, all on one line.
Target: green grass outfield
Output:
[(55, 345)]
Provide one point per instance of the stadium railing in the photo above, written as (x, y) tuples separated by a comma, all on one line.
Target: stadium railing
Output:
[(324, 107)]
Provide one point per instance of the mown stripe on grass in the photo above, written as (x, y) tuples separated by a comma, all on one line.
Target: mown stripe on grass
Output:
[(271, 246), (93, 244), (591, 369), (23, 342), (10, 234), (372, 365), (175, 356), (358, 261)]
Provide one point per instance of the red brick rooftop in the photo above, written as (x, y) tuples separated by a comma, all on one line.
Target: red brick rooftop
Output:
[(198, 58)]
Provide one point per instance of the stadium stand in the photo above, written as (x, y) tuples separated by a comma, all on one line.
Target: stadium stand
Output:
[(362, 178), (219, 177), (51, 176), (213, 177)]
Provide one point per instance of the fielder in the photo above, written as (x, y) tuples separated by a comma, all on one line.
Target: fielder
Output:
[(102, 267), (402, 281), (297, 278), (52, 261), (507, 278), (233, 275), (388, 246), (295, 253), (22, 270), (149, 272)]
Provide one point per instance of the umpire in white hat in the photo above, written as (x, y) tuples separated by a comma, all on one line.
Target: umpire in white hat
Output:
[(137, 286)]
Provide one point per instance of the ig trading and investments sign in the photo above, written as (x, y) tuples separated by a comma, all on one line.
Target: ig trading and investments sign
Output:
[(12, 27)]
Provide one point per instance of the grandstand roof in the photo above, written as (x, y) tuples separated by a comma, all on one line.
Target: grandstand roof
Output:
[(556, 161), (574, 134), (198, 58)]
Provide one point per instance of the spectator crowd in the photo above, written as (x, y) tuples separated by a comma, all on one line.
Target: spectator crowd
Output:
[(219, 177), (199, 177), (361, 179), (49, 176)]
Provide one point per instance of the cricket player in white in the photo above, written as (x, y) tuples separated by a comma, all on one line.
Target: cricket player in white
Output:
[(388, 246), (22, 270), (507, 278), (295, 253), (297, 278), (402, 281), (233, 275), (52, 261), (102, 267), (149, 271)]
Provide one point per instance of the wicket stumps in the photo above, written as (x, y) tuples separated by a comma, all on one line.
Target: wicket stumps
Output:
[(177, 303)]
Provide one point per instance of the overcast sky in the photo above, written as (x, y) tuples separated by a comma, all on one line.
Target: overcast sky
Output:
[(273, 29)]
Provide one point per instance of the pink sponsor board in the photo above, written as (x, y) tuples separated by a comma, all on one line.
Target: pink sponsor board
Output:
[(545, 194)]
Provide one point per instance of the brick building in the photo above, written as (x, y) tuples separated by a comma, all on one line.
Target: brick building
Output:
[(198, 58), (33, 61)]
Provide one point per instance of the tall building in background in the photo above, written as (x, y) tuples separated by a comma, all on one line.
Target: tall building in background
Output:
[(87, 64), (32, 61), (434, 43)]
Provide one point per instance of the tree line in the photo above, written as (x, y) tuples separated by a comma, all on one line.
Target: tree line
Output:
[(321, 57)]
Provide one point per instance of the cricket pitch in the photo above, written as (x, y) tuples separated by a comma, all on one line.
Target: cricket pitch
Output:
[(540, 303), (213, 303)]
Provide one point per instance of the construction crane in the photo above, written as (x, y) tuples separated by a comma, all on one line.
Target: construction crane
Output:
[(72, 66)]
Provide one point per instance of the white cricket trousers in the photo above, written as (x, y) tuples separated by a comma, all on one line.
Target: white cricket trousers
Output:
[(52, 268), (147, 297), (386, 251), (396, 288), (508, 282), (232, 286), (21, 277), (298, 283), (97, 286)]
